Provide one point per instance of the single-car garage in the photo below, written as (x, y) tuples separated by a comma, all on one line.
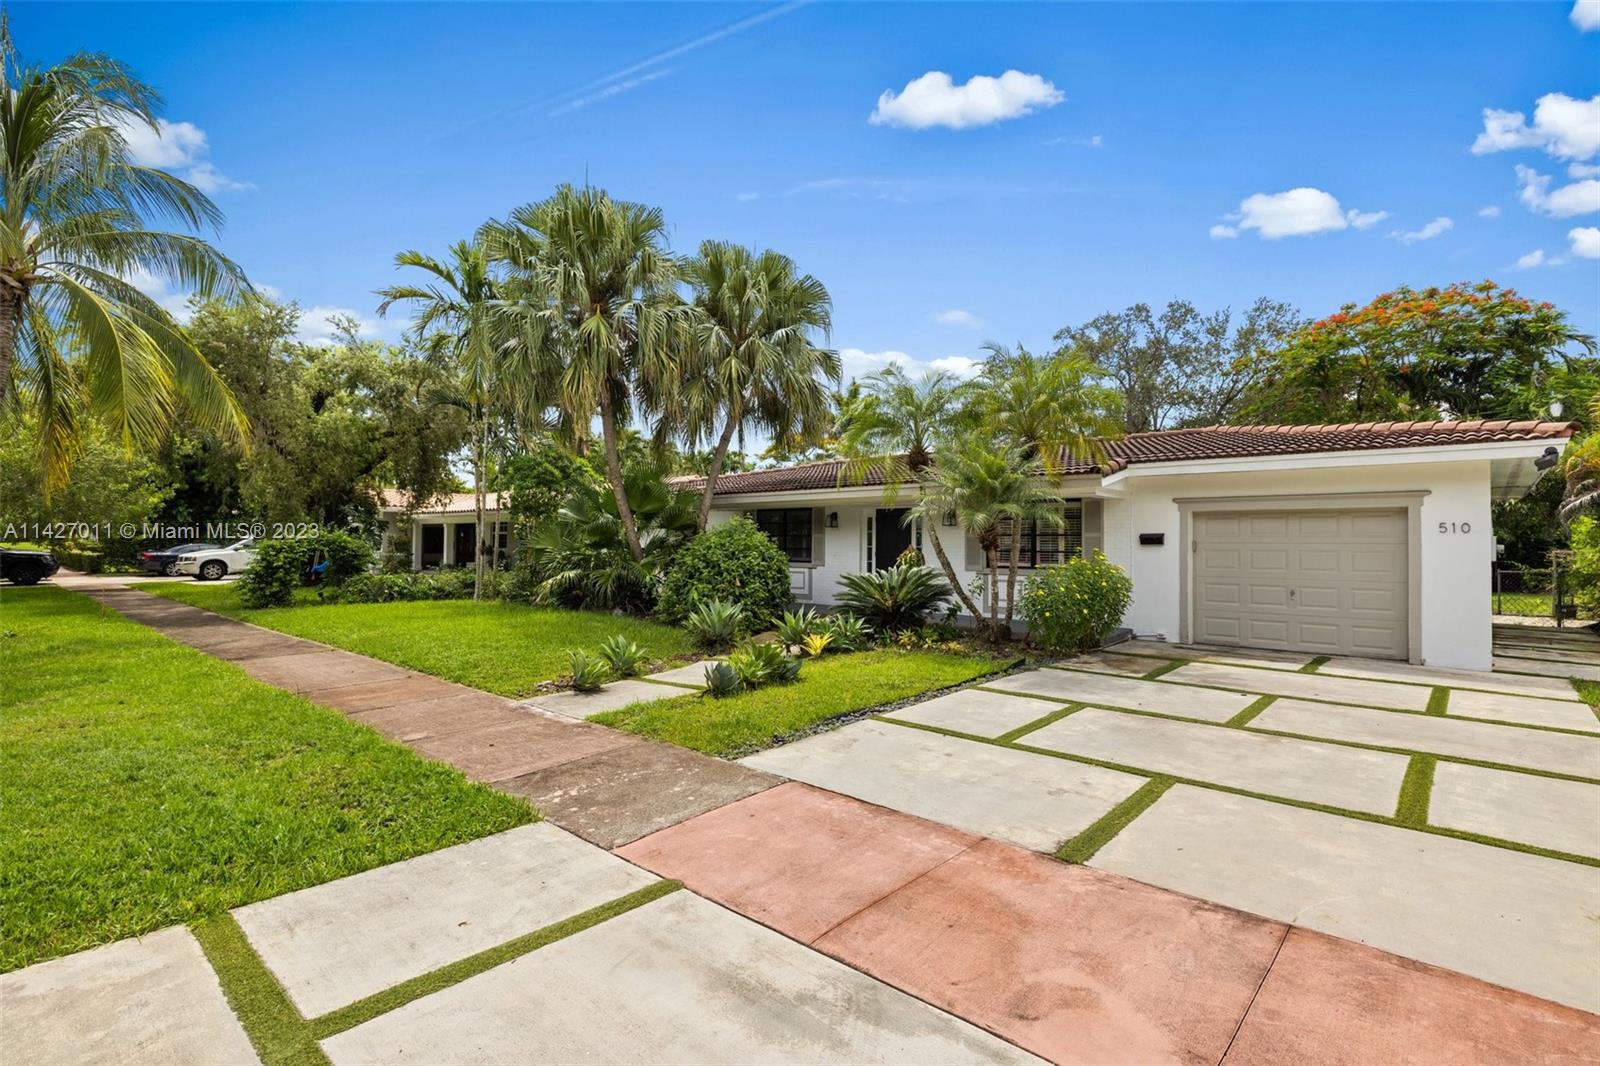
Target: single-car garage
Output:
[(1331, 582)]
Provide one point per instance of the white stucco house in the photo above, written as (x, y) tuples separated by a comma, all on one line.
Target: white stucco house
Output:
[(442, 529), (1371, 540)]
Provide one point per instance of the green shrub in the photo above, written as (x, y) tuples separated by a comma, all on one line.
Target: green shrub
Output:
[(281, 566), (625, 657), (1074, 607), (715, 624), (452, 584), (588, 672), (735, 562), (896, 598)]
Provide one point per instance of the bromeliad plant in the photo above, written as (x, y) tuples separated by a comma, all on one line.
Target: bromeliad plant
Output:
[(816, 645), (795, 626)]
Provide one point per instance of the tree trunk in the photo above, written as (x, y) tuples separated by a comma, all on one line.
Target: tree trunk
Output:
[(477, 501), (12, 301), (950, 573), (994, 591), (608, 428), (1011, 573), (717, 458)]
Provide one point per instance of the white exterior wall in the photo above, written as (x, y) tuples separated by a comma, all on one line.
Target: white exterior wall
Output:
[(1455, 625)]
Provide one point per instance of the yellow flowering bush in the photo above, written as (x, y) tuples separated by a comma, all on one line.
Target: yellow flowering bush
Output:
[(1075, 606)]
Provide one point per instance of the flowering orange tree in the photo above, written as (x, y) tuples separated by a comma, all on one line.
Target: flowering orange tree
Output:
[(1466, 351)]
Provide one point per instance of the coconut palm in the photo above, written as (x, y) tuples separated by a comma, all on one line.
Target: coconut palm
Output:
[(592, 283), (76, 214), (455, 319), (755, 363)]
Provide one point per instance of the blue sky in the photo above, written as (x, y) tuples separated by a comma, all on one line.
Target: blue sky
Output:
[(1110, 169)]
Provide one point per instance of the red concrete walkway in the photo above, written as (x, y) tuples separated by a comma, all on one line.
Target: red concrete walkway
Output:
[(1074, 964)]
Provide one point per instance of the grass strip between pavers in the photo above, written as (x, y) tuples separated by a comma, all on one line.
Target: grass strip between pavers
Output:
[(1439, 701), (1165, 668), (1415, 791), (1243, 717), (1039, 723), (1364, 816), (364, 1010), (1315, 664), (1082, 847), (270, 1019)]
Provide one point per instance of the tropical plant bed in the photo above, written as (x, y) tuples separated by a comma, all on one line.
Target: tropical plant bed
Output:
[(143, 783), (507, 648), (828, 688)]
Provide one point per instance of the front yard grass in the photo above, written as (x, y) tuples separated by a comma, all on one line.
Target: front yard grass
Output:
[(143, 783), (506, 648), (828, 687)]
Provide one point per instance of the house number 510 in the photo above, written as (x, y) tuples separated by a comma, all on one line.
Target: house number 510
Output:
[(1455, 527)]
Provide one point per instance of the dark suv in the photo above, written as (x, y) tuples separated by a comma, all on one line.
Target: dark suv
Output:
[(24, 566)]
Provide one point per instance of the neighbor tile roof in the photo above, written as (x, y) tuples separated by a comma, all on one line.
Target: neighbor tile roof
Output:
[(1205, 442), (449, 503)]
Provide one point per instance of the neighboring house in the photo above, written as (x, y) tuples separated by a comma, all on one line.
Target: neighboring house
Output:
[(443, 531), (1370, 540)]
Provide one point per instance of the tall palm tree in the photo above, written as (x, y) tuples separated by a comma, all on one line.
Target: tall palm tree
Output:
[(455, 318), (592, 281), (75, 227), (990, 486), (896, 424), (756, 364), (1053, 406)]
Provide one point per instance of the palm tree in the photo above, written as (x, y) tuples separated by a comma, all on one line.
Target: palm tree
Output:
[(1053, 407), (455, 319), (756, 363), (592, 282), (989, 486), (896, 423), (75, 215)]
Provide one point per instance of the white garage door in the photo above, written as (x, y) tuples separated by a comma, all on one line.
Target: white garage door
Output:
[(1327, 582)]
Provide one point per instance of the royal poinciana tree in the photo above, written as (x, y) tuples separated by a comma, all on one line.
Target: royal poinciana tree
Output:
[(77, 223)]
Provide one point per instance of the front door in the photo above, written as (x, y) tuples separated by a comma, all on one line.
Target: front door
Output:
[(892, 536), (466, 535)]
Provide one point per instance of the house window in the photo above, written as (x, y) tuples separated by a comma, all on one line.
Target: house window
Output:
[(1042, 543), (790, 529)]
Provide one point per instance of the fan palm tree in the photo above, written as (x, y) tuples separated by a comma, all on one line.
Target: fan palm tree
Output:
[(990, 486), (75, 228), (756, 365), (454, 318), (592, 281)]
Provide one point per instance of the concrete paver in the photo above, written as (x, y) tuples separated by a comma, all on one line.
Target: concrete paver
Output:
[(1073, 964), (1564, 815), (304, 671), (375, 695), (1384, 670), (1106, 662), (796, 858), (152, 999), (612, 694), (971, 710), (1308, 686), (344, 940), (531, 742), (692, 675), (623, 794), (1338, 776), (1339, 1003), (1536, 748), (1262, 657), (1525, 710), (1030, 800), (1511, 918), (432, 718), (1587, 657), (677, 980), (1544, 669), (1079, 687)]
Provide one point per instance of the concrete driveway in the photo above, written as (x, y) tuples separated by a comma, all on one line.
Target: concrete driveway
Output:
[(1446, 816)]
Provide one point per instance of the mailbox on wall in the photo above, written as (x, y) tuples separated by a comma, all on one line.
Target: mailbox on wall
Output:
[(1152, 538)]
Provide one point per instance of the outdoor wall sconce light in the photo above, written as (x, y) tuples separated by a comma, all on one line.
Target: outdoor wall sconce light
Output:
[(833, 519)]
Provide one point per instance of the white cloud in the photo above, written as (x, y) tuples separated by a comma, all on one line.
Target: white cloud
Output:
[(1426, 233), (1585, 241), (1492, 211), (958, 317), (1095, 141), (317, 325), (172, 301), (1583, 170), (1531, 260), (858, 363), (747, 197), (1564, 127), (959, 365), (1585, 15), (935, 100), (180, 147), (1579, 198), (1294, 213)]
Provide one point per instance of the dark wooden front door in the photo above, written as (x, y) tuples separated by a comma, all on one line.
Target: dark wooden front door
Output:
[(432, 544), (466, 537), (891, 536)]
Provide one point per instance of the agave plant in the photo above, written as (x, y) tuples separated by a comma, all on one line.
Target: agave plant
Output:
[(787, 671), (625, 657), (757, 664), (849, 633), (815, 644), (715, 624), (722, 680), (588, 672), (896, 598), (794, 625)]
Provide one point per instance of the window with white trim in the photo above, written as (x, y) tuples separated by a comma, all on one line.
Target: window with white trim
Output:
[(1043, 543)]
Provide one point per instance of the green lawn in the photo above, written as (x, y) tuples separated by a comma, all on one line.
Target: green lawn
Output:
[(827, 688), (143, 783), (507, 648)]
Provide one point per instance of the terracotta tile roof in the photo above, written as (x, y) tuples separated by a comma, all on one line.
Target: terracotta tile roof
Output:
[(1200, 443), (449, 503)]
